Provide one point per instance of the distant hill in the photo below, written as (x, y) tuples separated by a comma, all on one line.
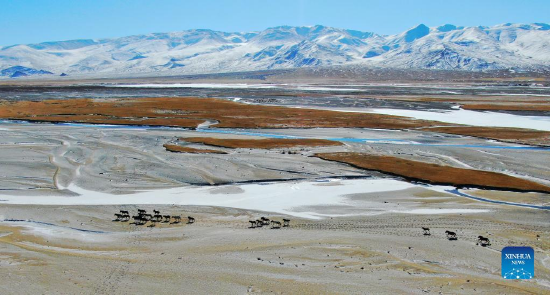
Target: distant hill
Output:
[(447, 47), (19, 71)]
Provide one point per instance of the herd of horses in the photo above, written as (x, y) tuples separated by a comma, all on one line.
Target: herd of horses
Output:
[(451, 236), (143, 218), (263, 221)]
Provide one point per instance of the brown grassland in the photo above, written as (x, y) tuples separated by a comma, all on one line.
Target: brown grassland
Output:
[(268, 143), (435, 174), (191, 111), (519, 135), (535, 107), (183, 149)]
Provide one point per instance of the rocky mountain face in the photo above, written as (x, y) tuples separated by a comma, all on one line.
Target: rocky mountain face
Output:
[(447, 47)]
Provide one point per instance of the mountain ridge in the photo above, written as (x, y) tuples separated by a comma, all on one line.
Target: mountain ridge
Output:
[(197, 51)]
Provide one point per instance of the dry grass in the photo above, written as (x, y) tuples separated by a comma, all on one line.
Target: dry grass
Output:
[(483, 103), (435, 174), (184, 149), (532, 198), (190, 111), (517, 135), (536, 107), (269, 143)]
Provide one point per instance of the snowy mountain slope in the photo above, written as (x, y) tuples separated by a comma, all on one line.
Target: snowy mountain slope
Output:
[(474, 48), (515, 46), (19, 71)]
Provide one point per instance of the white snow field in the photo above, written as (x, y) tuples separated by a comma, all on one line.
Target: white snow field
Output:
[(474, 118), (297, 198), (273, 197)]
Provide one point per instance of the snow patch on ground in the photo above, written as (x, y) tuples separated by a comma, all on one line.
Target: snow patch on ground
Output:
[(442, 211), (313, 88), (207, 124), (47, 230), (466, 117), (200, 85), (238, 86), (285, 198), (301, 199)]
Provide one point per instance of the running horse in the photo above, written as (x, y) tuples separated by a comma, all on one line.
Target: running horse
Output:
[(177, 219), (125, 215), (483, 241), (259, 223), (426, 231), (265, 221), (451, 235), (275, 224), (286, 222), (139, 220), (156, 218)]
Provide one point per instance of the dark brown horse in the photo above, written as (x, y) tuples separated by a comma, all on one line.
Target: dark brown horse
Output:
[(139, 220), (275, 224), (426, 231), (265, 221), (118, 217), (451, 235), (286, 222), (259, 223), (177, 219), (483, 241)]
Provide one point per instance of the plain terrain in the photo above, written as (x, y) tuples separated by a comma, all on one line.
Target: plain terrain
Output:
[(234, 155)]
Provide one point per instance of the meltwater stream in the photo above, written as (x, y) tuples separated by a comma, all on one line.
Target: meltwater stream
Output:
[(368, 140), (272, 135)]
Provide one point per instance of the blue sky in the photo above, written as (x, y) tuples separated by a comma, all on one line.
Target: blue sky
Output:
[(32, 21)]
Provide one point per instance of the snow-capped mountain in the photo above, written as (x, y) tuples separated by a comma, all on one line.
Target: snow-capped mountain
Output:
[(507, 46)]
